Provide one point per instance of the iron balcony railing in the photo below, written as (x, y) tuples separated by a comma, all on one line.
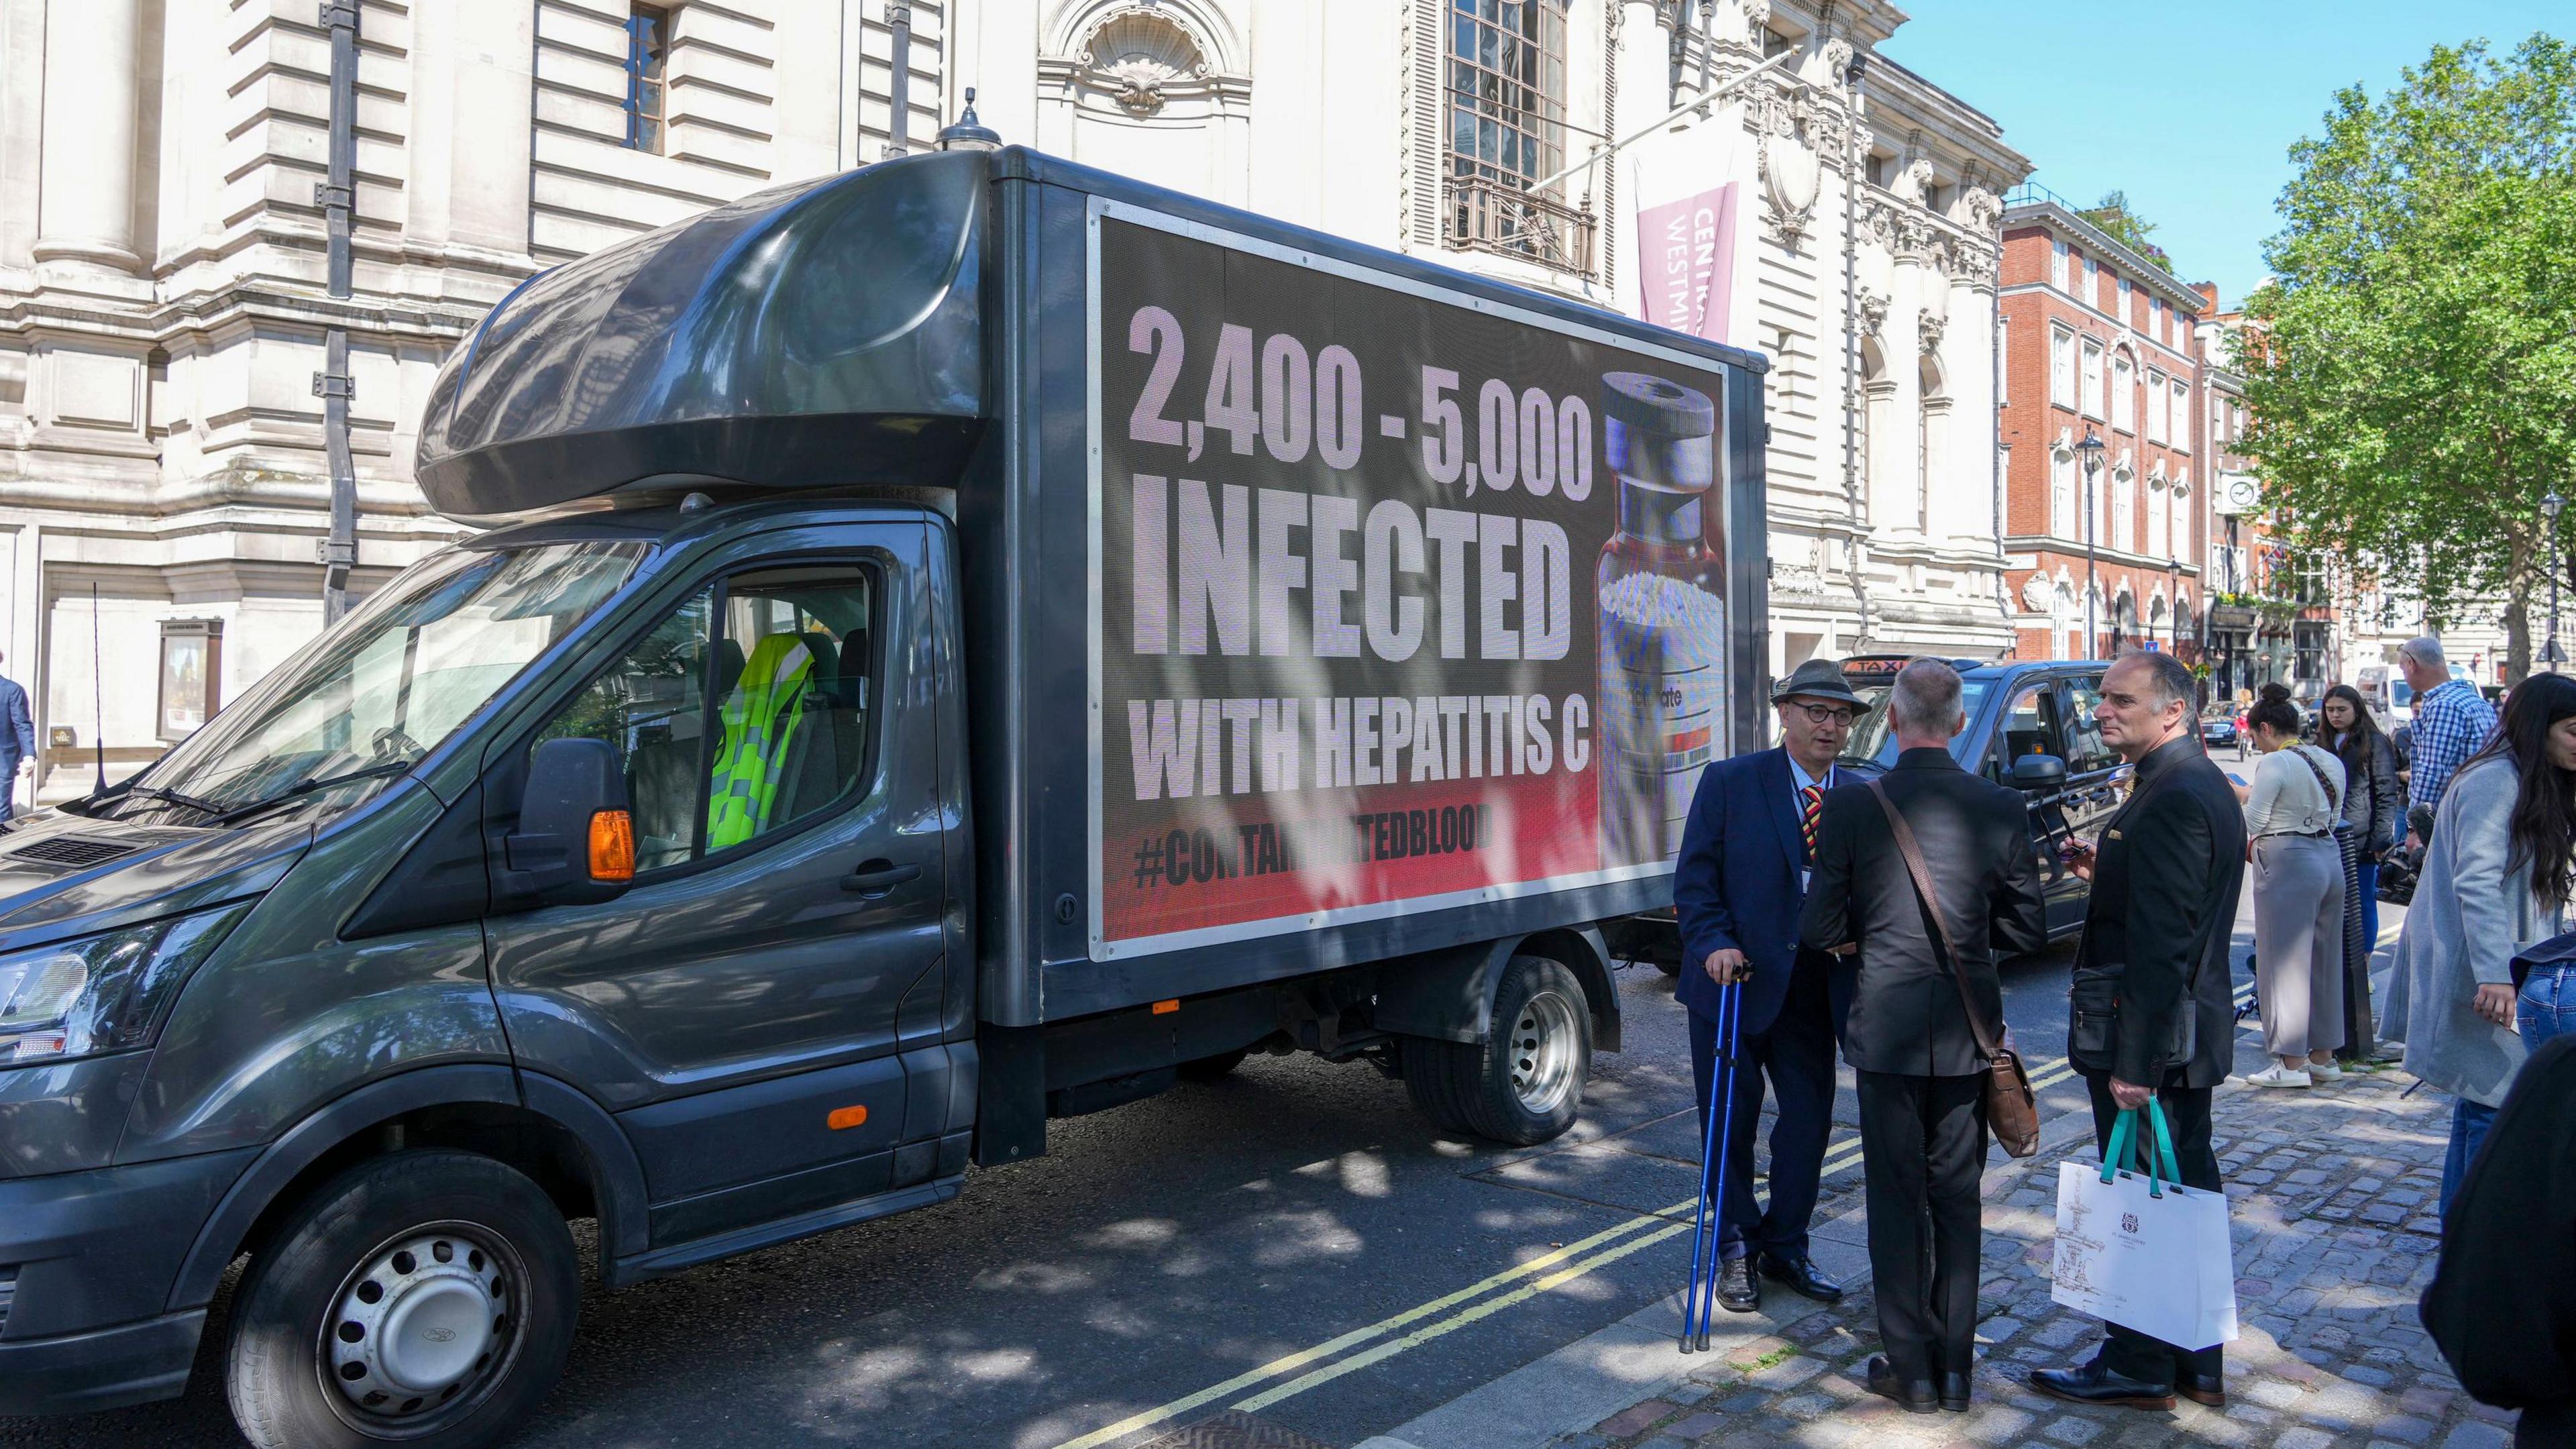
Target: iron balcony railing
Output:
[(1490, 216)]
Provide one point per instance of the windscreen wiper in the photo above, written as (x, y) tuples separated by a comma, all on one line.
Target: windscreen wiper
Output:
[(308, 787), (155, 792)]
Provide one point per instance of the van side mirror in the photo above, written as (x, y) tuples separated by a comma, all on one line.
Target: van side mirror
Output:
[(575, 844), (2038, 774)]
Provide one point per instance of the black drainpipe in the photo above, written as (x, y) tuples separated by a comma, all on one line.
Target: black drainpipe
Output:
[(338, 199), (899, 87)]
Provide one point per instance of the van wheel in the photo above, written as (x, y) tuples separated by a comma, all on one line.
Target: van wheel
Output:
[(1525, 1084), (1213, 1069), (424, 1299)]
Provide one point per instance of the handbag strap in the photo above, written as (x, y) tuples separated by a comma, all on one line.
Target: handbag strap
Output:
[(1922, 874), (2334, 798)]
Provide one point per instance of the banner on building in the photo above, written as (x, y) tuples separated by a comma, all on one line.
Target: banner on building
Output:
[(1401, 598), (1686, 186)]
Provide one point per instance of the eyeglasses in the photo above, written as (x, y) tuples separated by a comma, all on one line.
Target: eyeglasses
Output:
[(1828, 714)]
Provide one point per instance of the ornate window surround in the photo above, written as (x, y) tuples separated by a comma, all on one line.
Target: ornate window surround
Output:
[(1159, 64)]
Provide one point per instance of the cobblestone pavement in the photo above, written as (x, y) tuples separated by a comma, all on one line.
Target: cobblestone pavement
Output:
[(2333, 1192)]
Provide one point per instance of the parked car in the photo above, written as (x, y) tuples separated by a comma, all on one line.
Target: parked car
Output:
[(2222, 726), (2031, 726)]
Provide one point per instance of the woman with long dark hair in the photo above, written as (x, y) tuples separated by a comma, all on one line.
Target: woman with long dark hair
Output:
[(2290, 816), (2496, 879), (2374, 815)]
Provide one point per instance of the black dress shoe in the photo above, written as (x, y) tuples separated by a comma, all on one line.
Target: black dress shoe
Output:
[(1799, 1272), (1736, 1290), (1916, 1396), (1954, 1392), (2210, 1389), (2098, 1383)]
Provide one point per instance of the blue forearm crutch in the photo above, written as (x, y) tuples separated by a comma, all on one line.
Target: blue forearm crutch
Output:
[(1707, 1159), (1699, 1292), (1725, 1157)]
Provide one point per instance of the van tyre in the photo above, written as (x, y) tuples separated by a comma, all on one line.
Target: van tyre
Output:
[(425, 1299), (1522, 1086)]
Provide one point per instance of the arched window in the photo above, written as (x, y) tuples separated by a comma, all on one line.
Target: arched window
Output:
[(2062, 518), (1882, 466), (2124, 508)]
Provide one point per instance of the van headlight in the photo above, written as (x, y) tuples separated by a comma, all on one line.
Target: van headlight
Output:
[(102, 993)]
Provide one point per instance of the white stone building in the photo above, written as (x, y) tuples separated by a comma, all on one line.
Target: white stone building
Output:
[(162, 298)]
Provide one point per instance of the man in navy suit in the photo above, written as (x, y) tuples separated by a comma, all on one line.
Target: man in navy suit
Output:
[(17, 744), (1739, 886)]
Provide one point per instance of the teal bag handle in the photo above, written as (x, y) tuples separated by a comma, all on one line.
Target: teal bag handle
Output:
[(2125, 1148), (2118, 1152), (2164, 1143)]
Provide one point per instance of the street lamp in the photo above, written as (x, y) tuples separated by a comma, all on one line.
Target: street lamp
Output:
[(2549, 507), (2173, 596), (2091, 449)]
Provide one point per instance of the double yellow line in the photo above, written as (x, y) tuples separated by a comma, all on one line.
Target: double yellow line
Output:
[(1397, 1333), (1295, 1373)]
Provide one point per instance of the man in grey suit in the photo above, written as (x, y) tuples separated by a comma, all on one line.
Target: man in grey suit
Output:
[(17, 744)]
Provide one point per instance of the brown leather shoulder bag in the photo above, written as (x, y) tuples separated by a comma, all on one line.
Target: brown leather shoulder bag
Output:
[(2012, 1108)]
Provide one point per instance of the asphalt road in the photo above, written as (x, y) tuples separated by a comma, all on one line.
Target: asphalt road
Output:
[(1159, 1251)]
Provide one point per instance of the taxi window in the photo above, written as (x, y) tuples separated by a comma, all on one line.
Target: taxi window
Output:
[(2084, 748), (2028, 727)]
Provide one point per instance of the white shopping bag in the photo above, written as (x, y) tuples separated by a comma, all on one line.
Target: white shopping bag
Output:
[(2143, 1252)]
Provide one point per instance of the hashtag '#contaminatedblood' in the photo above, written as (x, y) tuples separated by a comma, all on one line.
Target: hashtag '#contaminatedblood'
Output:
[(1199, 857)]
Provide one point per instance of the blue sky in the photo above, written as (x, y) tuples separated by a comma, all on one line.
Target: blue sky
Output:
[(2188, 105)]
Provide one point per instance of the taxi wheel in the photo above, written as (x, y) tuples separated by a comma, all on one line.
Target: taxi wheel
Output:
[(425, 1299)]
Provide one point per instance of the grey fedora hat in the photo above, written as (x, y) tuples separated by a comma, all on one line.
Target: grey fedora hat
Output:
[(1817, 679)]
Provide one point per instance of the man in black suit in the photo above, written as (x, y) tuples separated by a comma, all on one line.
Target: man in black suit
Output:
[(1907, 1037), (2152, 1005)]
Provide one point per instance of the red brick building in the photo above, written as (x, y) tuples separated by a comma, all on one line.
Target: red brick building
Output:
[(2098, 342)]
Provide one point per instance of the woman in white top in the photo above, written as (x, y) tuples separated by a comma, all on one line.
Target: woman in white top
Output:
[(2290, 816)]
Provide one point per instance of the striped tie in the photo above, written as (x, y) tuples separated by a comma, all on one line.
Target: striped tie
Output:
[(1812, 798)]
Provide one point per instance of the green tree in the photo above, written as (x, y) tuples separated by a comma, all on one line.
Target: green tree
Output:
[(2112, 215), (2411, 367)]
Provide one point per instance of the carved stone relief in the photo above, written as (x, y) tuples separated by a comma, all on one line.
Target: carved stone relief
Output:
[(1985, 210), (1135, 53), (1930, 325), (2035, 591), (1873, 310), (1790, 170)]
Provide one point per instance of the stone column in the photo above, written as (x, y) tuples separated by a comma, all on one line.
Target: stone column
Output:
[(1642, 68), (85, 207)]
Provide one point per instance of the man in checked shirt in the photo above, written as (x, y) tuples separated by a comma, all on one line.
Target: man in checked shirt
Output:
[(2451, 720)]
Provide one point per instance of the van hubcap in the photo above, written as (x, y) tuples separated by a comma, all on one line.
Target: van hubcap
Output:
[(1542, 1052), (425, 1322)]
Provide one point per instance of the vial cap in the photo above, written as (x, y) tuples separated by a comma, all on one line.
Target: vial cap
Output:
[(1648, 403)]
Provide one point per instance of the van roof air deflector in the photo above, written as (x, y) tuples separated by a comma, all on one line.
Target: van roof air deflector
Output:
[(818, 335)]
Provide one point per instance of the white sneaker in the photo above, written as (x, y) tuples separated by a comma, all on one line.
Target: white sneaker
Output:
[(2279, 1076), (2325, 1072)]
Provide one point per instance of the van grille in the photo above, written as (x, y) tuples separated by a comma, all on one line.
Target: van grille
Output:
[(8, 1293), (72, 850)]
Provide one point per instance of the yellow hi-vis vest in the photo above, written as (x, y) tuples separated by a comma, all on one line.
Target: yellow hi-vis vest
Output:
[(760, 719)]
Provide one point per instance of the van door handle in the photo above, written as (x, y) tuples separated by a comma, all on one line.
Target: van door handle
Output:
[(876, 877)]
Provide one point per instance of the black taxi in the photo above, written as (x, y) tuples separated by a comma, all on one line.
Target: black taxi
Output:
[(2031, 725)]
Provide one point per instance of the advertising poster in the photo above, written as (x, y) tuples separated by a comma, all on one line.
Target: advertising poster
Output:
[(1402, 599)]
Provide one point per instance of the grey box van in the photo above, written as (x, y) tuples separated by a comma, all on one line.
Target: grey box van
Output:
[(961, 643)]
